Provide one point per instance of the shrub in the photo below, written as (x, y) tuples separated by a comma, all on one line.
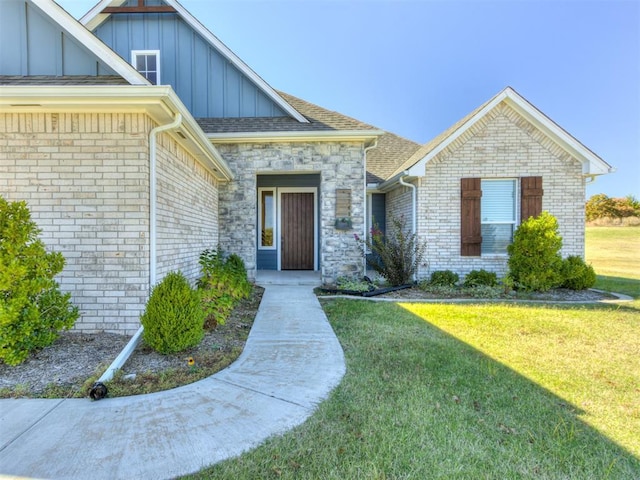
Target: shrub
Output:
[(534, 258), (477, 278), (222, 284), (396, 256), (576, 274), (173, 318), (32, 308), (444, 278)]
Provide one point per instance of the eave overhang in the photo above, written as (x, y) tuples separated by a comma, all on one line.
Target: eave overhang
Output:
[(365, 136), (160, 102)]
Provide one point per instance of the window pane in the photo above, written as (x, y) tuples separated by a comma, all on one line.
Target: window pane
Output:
[(266, 218), (151, 62), (498, 201), (140, 63), (151, 76), (496, 238)]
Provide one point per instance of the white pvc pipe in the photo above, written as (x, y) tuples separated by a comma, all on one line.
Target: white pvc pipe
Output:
[(133, 343), (122, 357)]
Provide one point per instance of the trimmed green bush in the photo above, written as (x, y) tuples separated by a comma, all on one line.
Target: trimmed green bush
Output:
[(480, 278), (444, 278), (32, 308), (576, 274), (396, 255), (173, 319), (534, 259), (222, 285)]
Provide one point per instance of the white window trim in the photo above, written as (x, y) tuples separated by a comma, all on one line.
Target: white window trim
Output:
[(516, 215), (134, 55), (369, 220), (273, 219)]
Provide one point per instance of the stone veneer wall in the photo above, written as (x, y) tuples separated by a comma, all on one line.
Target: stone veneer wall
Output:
[(340, 164), (85, 178), (501, 145)]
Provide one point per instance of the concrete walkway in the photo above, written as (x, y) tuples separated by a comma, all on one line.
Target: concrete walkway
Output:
[(291, 361)]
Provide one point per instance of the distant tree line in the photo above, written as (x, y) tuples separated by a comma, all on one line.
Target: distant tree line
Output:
[(601, 206)]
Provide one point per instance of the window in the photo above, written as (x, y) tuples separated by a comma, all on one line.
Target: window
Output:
[(147, 62), (267, 218), (489, 212), (498, 215)]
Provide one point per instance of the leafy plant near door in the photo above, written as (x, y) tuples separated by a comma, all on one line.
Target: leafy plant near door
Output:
[(396, 255), (223, 283)]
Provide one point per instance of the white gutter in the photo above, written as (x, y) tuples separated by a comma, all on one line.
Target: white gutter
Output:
[(414, 207)]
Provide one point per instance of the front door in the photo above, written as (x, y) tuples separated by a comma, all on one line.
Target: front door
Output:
[(297, 231)]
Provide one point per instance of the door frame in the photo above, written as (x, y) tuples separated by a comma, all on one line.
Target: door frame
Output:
[(279, 192)]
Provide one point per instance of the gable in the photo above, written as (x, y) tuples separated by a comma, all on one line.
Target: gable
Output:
[(209, 81), (529, 117), (32, 44)]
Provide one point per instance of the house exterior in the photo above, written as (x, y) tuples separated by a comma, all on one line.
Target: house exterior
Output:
[(138, 139)]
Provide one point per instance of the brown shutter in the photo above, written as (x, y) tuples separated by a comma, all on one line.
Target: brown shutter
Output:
[(530, 197), (470, 230)]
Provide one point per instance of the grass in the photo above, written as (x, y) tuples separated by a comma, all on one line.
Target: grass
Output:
[(614, 253), (419, 401)]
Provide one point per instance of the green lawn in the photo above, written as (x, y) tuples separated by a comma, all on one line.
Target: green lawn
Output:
[(614, 253), (477, 391), (469, 391)]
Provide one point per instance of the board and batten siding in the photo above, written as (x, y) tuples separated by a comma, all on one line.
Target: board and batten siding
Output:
[(207, 83), (31, 44)]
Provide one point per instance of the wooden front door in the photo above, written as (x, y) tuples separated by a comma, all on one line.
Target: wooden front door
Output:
[(297, 225)]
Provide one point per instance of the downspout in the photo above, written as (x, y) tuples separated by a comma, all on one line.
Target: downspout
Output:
[(366, 214), (153, 193), (99, 390), (414, 208)]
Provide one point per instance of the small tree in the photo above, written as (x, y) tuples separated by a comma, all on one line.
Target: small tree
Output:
[(173, 319), (32, 308), (534, 256), (396, 256)]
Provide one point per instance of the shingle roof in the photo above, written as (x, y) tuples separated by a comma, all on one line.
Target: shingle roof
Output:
[(62, 80), (425, 149), (390, 152), (320, 119)]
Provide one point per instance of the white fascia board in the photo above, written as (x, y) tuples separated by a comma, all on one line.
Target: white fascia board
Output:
[(295, 136), (90, 41), (161, 103), (93, 19)]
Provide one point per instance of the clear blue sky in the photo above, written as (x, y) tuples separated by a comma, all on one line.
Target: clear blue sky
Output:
[(416, 67)]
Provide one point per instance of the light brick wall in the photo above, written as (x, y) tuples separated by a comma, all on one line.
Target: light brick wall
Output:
[(187, 210), (399, 202), (501, 145), (340, 164), (85, 178)]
